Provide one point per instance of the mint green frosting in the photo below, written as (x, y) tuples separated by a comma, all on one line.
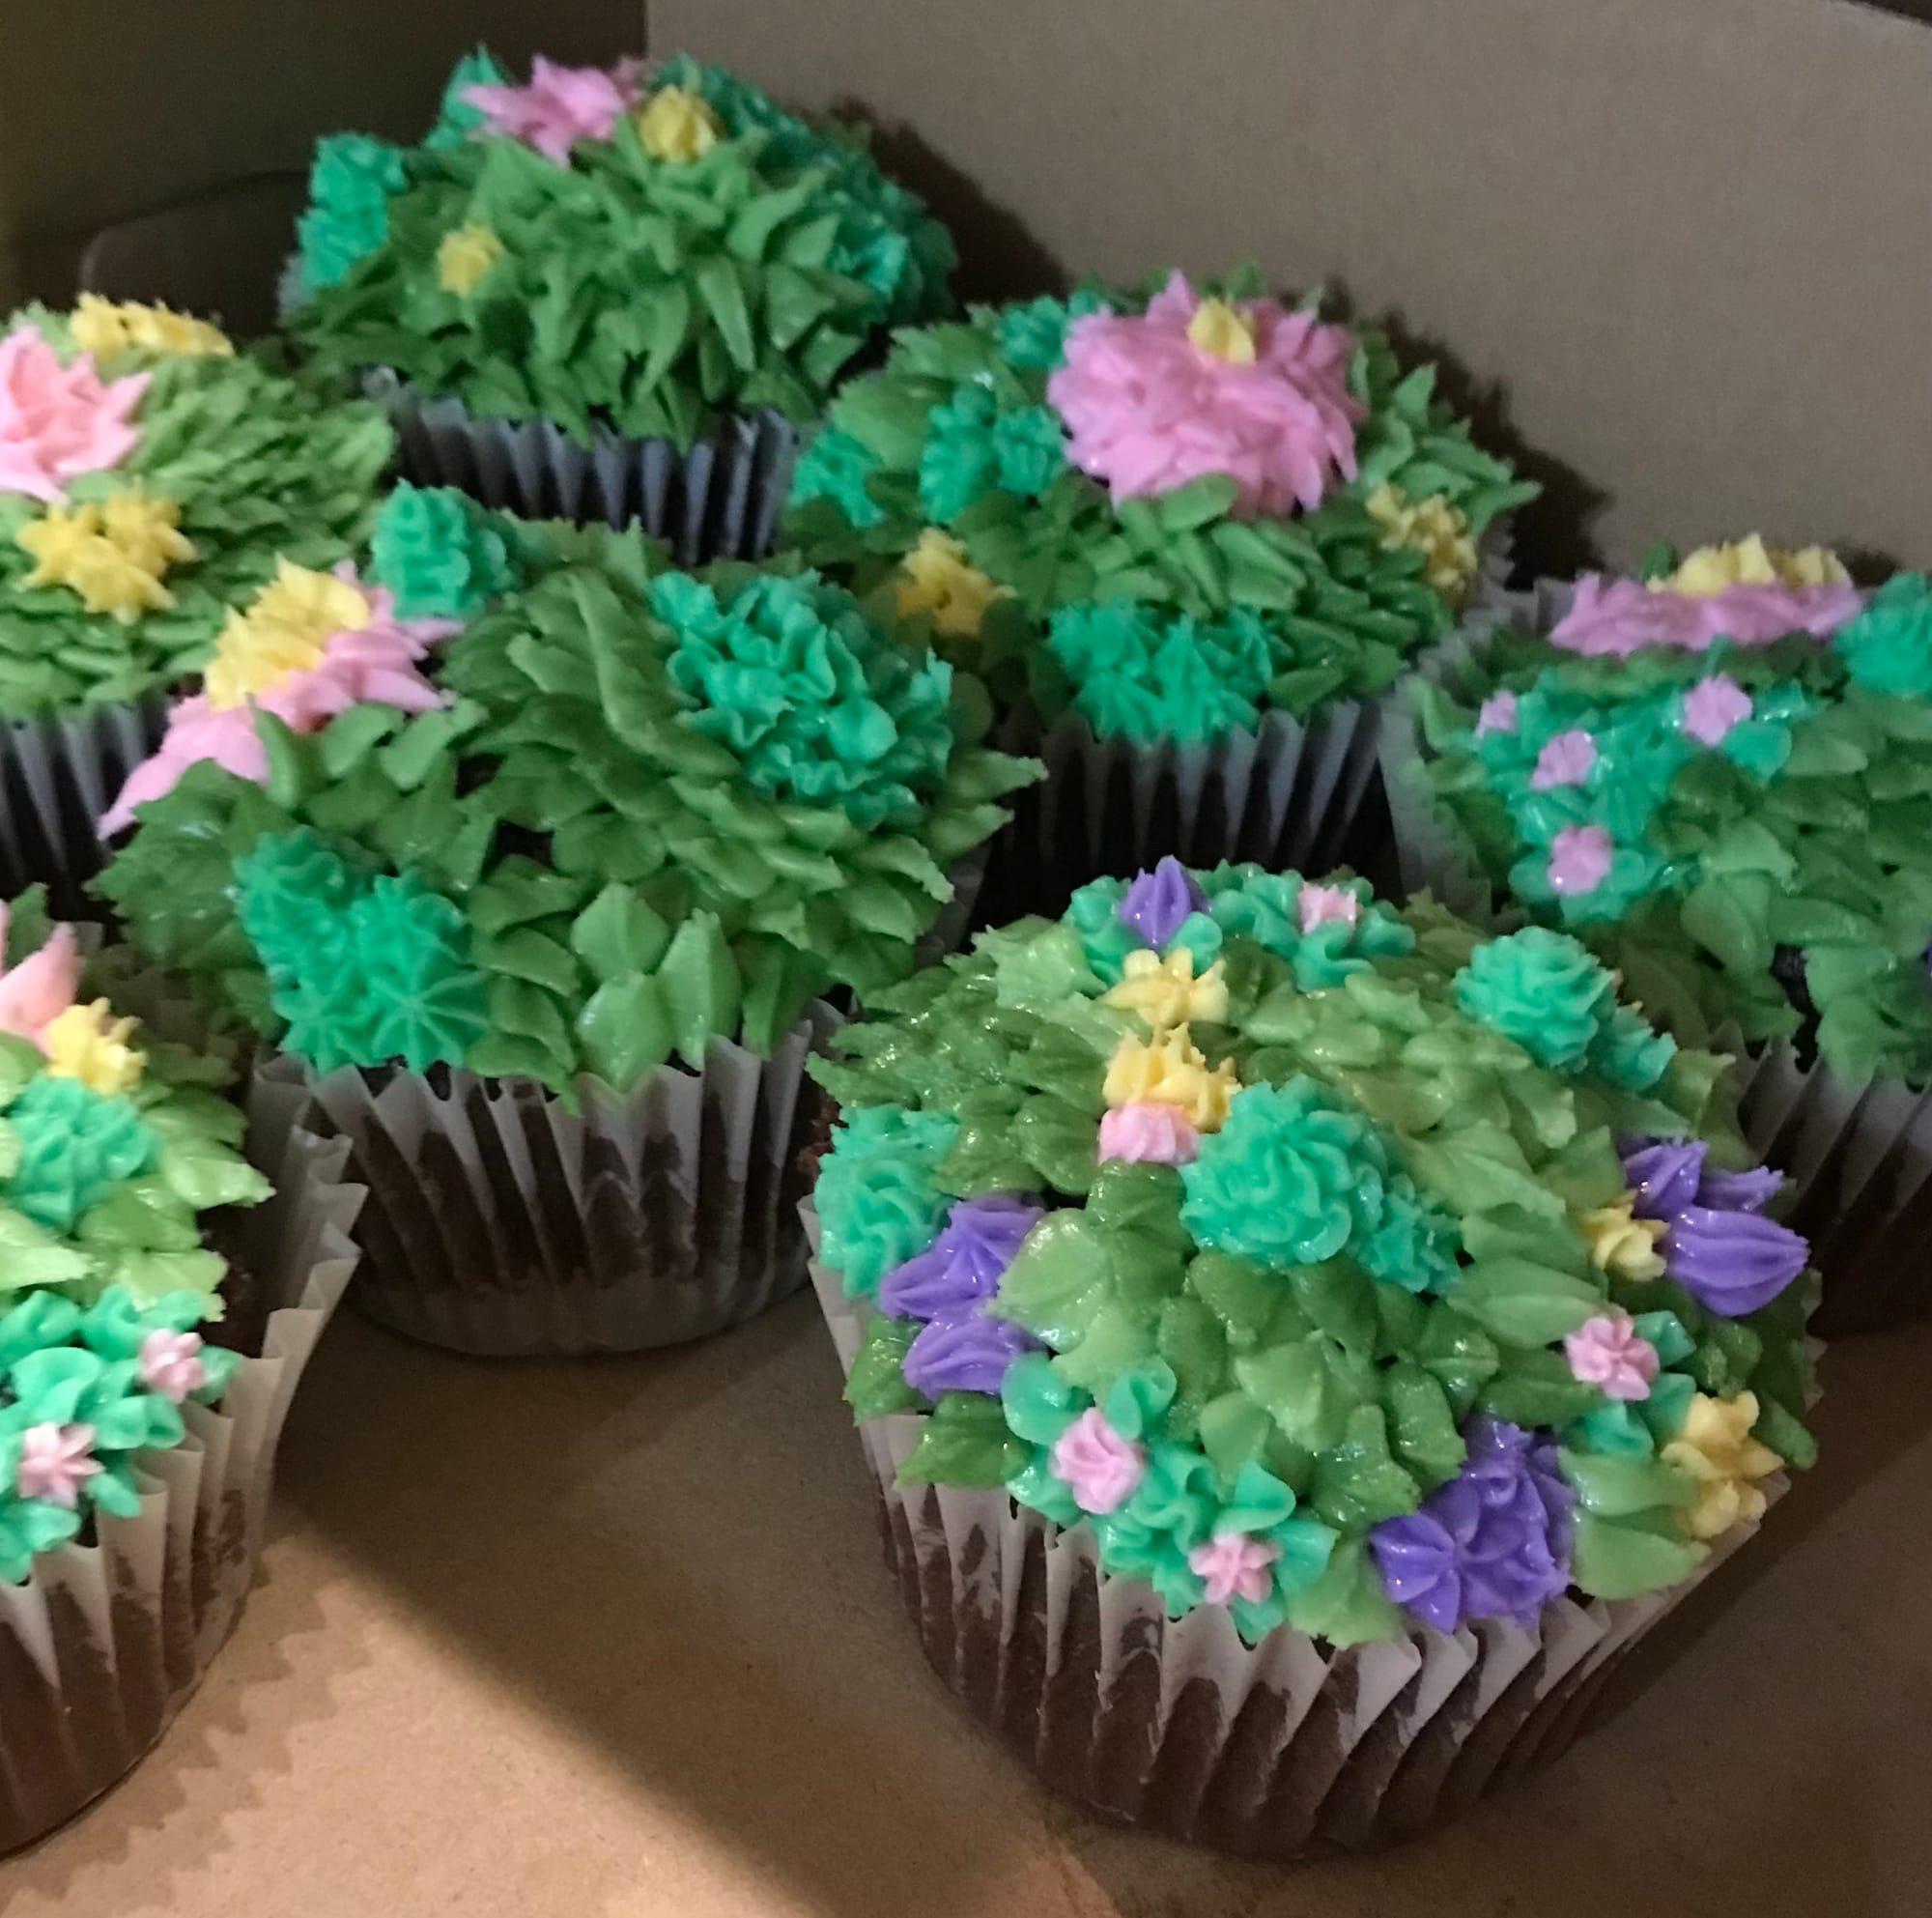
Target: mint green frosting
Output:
[(1032, 333), (438, 551), (834, 467), (1888, 649), (350, 187), (457, 120), (73, 1146), (1544, 990), (876, 1195), (1145, 677)]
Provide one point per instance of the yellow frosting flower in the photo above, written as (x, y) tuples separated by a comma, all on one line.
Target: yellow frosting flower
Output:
[(1217, 329), (1750, 562), (678, 125), (284, 631), (935, 579), (1621, 1244), (1436, 529), (113, 553), (1165, 992), (88, 1043), (1169, 1069), (1716, 1450), (101, 327), (466, 253)]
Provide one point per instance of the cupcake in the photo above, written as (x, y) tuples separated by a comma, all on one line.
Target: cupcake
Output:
[(1189, 540), (1301, 1344), (170, 1262), (537, 859), (149, 475), (1718, 778), (609, 295)]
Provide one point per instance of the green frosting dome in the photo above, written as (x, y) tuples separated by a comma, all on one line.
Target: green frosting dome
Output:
[(624, 291), (1237, 1339), (1888, 649), (1145, 677), (436, 550), (1544, 990), (73, 1146)]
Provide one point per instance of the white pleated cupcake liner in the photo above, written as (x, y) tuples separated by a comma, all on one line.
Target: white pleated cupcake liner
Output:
[(1858, 1151), (1281, 1749), (721, 500), (105, 1641), (57, 777)]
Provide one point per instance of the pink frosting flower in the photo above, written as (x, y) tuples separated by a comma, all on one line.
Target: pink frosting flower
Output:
[(1565, 760), (55, 1462), (37, 991), (1147, 410), (1712, 706), (1580, 859), (1101, 1468), (1150, 1133), (172, 1364), (1608, 1351), (57, 422), (375, 664), (1323, 905), (1497, 714), (561, 106), (1620, 615), (1232, 1564)]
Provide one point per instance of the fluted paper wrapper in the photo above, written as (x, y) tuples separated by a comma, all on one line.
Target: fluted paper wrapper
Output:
[(57, 777), (1282, 1750), (721, 500), (104, 1642), (1858, 1151)]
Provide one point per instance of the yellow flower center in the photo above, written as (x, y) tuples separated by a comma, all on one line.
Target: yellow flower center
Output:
[(88, 1043), (1165, 992), (1750, 562), (935, 579), (1436, 529), (285, 631), (1221, 331), (1621, 1244), (466, 253), (1716, 1448), (113, 553), (103, 329), (678, 125), (1169, 1069)]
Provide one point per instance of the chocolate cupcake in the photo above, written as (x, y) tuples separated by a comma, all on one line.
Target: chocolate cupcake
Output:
[(1300, 1343), (611, 294), (1718, 778), (542, 863), (171, 1260), (1189, 539), (149, 478)]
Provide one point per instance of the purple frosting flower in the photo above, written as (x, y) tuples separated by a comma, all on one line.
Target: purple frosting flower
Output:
[(1719, 1246), (964, 1354), (1157, 902), (1491, 1543), (963, 1266)]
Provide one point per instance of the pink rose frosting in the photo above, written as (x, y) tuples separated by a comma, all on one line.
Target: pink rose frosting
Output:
[(1608, 1351), (57, 422), (172, 1364), (37, 991), (1497, 714), (1580, 859), (1146, 410), (1565, 760), (376, 663), (1100, 1467), (1712, 706), (1619, 616), (55, 1462), (561, 106), (1150, 1134), (1325, 905), (1232, 1564)]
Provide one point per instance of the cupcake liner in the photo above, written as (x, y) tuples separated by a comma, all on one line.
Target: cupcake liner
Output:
[(1283, 1750), (104, 1642), (57, 776), (1858, 1151), (501, 1224), (721, 500)]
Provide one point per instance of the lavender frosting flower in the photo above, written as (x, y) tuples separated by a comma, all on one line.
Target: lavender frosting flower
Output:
[(964, 1354), (1157, 902), (1718, 1245), (951, 1284), (1491, 1543)]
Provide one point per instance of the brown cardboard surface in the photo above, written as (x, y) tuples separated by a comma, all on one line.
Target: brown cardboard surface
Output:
[(568, 1641), (1690, 240)]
